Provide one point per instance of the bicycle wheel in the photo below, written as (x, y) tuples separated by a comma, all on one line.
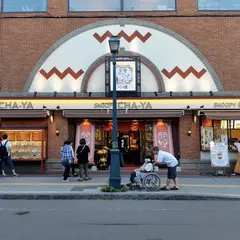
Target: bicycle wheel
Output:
[(152, 182)]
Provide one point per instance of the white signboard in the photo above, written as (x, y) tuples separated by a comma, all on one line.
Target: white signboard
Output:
[(125, 76), (219, 155)]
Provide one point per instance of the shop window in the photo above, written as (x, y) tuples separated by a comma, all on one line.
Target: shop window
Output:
[(206, 134), (149, 5), (93, 5), (148, 139), (27, 144), (219, 5), (25, 6), (122, 5), (232, 131), (226, 131), (99, 134)]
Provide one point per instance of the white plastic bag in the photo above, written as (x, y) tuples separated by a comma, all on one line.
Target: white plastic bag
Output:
[(94, 168)]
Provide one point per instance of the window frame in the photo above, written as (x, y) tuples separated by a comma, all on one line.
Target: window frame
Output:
[(212, 10), (23, 12), (122, 9)]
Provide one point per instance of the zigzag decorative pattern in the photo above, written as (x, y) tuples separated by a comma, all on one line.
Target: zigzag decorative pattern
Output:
[(122, 34), (184, 74), (54, 70)]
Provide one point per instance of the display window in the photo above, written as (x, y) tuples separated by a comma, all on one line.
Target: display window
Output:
[(27, 144), (225, 131)]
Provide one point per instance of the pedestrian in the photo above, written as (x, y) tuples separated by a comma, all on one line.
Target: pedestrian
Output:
[(6, 155), (237, 166), (73, 164), (123, 148), (82, 156), (66, 159), (171, 162)]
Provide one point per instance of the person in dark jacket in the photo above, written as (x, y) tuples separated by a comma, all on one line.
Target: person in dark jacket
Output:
[(82, 156)]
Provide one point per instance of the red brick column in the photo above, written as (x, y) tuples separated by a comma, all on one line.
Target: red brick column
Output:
[(60, 123), (189, 145)]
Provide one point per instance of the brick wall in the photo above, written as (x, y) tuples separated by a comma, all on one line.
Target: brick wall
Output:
[(24, 40), (55, 142), (189, 145)]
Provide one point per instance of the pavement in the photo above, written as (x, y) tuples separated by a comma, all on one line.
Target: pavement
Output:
[(52, 187), (120, 219)]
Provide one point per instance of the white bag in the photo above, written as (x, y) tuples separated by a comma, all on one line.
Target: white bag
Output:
[(94, 168), (156, 168)]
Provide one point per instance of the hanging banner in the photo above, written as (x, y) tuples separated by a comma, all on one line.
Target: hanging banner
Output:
[(86, 130), (162, 135), (219, 154)]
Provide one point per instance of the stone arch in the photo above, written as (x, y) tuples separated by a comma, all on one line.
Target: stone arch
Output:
[(144, 60), (123, 22)]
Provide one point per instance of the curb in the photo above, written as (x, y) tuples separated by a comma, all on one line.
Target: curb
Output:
[(116, 196)]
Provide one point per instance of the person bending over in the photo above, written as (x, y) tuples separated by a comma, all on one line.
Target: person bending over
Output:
[(171, 162)]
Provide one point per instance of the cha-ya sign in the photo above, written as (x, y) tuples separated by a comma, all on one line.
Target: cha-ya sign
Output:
[(16, 105), (124, 105)]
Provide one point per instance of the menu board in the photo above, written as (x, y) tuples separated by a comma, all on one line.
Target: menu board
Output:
[(219, 154)]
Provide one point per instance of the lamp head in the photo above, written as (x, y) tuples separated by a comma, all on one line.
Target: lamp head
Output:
[(114, 43)]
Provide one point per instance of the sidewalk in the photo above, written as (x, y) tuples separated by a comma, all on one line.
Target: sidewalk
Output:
[(191, 187)]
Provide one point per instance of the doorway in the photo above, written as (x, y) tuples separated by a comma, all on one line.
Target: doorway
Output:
[(128, 143)]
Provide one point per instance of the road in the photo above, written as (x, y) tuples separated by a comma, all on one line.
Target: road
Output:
[(115, 220)]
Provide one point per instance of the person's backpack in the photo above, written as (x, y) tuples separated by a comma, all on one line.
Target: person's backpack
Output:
[(3, 151)]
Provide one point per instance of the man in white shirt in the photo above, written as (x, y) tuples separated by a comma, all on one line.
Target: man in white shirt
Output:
[(8, 146), (171, 162)]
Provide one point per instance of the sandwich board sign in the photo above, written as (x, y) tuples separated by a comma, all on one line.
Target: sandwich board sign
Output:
[(219, 155)]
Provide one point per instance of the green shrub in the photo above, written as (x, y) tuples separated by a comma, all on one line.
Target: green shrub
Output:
[(108, 188)]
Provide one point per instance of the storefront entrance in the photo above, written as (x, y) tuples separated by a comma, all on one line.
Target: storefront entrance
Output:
[(129, 143), (135, 137)]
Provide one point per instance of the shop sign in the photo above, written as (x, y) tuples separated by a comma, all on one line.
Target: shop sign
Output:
[(124, 105), (225, 105), (16, 105)]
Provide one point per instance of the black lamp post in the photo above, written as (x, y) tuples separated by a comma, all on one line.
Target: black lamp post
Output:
[(115, 178)]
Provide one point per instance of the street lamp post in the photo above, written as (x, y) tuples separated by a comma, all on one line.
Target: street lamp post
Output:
[(115, 178)]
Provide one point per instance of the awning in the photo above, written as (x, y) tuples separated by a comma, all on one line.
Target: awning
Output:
[(222, 115), (122, 114), (23, 113)]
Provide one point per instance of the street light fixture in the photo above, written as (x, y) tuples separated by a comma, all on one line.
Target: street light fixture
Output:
[(115, 178)]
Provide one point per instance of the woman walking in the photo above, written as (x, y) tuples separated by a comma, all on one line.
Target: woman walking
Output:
[(237, 166), (82, 156)]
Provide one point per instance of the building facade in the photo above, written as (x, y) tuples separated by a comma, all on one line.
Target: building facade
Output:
[(178, 78)]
